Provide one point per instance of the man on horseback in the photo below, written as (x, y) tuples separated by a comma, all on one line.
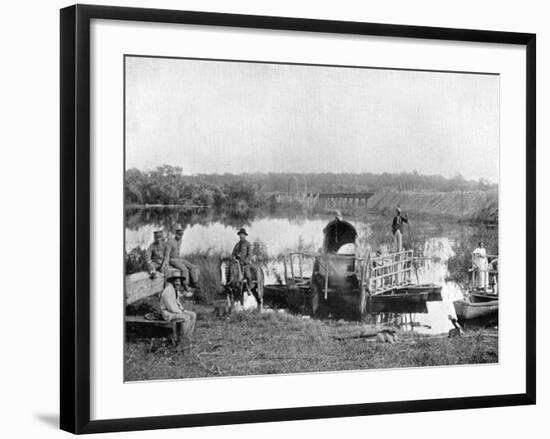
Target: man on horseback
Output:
[(242, 275), (242, 253)]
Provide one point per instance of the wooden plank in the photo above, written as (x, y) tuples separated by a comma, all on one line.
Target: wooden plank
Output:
[(162, 323), (141, 319), (140, 285)]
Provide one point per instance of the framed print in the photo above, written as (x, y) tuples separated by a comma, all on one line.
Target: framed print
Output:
[(285, 218)]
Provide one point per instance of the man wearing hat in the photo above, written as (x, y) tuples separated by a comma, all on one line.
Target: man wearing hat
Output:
[(396, 227), (156, 256), (190, 272), (242, 252), (172, 309)]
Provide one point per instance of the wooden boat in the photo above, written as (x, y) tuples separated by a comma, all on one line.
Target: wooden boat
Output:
[(467, 309), (141, 285), (482, 296), (482, 299)]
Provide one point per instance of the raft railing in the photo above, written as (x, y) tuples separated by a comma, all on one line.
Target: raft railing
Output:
[(379, 274), (390, 271)]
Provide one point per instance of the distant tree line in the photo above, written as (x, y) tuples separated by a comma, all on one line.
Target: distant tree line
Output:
[(168, 185)]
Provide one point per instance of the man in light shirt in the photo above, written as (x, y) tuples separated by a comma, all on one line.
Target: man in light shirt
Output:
[(172, 309), (480, 263)]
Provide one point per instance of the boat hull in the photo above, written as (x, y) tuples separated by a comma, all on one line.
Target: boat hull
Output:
[(467, 310), (377, 305), (480, 296), (433, 291)]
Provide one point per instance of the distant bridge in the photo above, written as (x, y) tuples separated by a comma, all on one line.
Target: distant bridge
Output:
[(297, 191), (328, 199), (338, 199)]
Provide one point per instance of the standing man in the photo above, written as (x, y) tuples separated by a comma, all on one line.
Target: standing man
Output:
[(396, 227), (481, 266), (190, 272), (242, 252), (156, 256), (172, 309)]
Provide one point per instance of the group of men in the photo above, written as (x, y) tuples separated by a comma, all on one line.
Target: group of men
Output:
[(162, 255)]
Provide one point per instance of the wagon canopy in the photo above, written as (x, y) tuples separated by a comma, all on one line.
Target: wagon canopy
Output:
[(337, 234)]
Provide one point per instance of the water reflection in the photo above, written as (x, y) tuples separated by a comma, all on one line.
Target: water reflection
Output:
[(280, 232), (438, 250)]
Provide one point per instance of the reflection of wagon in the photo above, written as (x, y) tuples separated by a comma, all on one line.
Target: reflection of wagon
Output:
[(344, 282)]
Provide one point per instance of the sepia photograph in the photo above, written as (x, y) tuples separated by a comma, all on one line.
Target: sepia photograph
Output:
[(296, 218)]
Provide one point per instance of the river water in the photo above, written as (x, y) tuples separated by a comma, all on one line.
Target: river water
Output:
[(280, 232)]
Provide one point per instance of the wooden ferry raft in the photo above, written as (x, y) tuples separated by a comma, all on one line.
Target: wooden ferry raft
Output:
[(342, 278)]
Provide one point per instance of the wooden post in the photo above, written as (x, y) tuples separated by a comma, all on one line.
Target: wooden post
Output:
[(326, 277), (175, 333), (462, 204)]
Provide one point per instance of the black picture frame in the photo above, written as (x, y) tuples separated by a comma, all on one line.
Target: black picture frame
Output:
[(75, 217)]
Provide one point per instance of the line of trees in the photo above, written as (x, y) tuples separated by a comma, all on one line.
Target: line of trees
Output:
[(168, 185)]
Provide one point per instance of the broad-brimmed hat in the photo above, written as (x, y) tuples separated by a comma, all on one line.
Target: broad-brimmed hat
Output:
[(176, 274), (242, 230), (157, 233), (179, 229), (398, 209)]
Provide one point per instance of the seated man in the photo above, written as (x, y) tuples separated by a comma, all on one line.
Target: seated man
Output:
[(172, 309), (242, 252), (156, 255), (190, 272)]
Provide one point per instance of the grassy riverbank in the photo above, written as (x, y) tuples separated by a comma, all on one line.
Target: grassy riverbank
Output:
[(478, 206), (269, 343)]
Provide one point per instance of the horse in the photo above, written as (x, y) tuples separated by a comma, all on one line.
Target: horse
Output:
[(238, 289)]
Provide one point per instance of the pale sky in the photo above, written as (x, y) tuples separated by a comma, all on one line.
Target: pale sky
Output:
[(217, 117)]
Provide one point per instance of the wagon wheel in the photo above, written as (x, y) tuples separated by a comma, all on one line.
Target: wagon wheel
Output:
[(316, 301), (294, 298)]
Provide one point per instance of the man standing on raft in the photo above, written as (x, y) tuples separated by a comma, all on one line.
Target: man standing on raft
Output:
[(396, 229)]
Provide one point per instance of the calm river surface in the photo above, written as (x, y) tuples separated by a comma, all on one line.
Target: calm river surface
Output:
[(280, 232)]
